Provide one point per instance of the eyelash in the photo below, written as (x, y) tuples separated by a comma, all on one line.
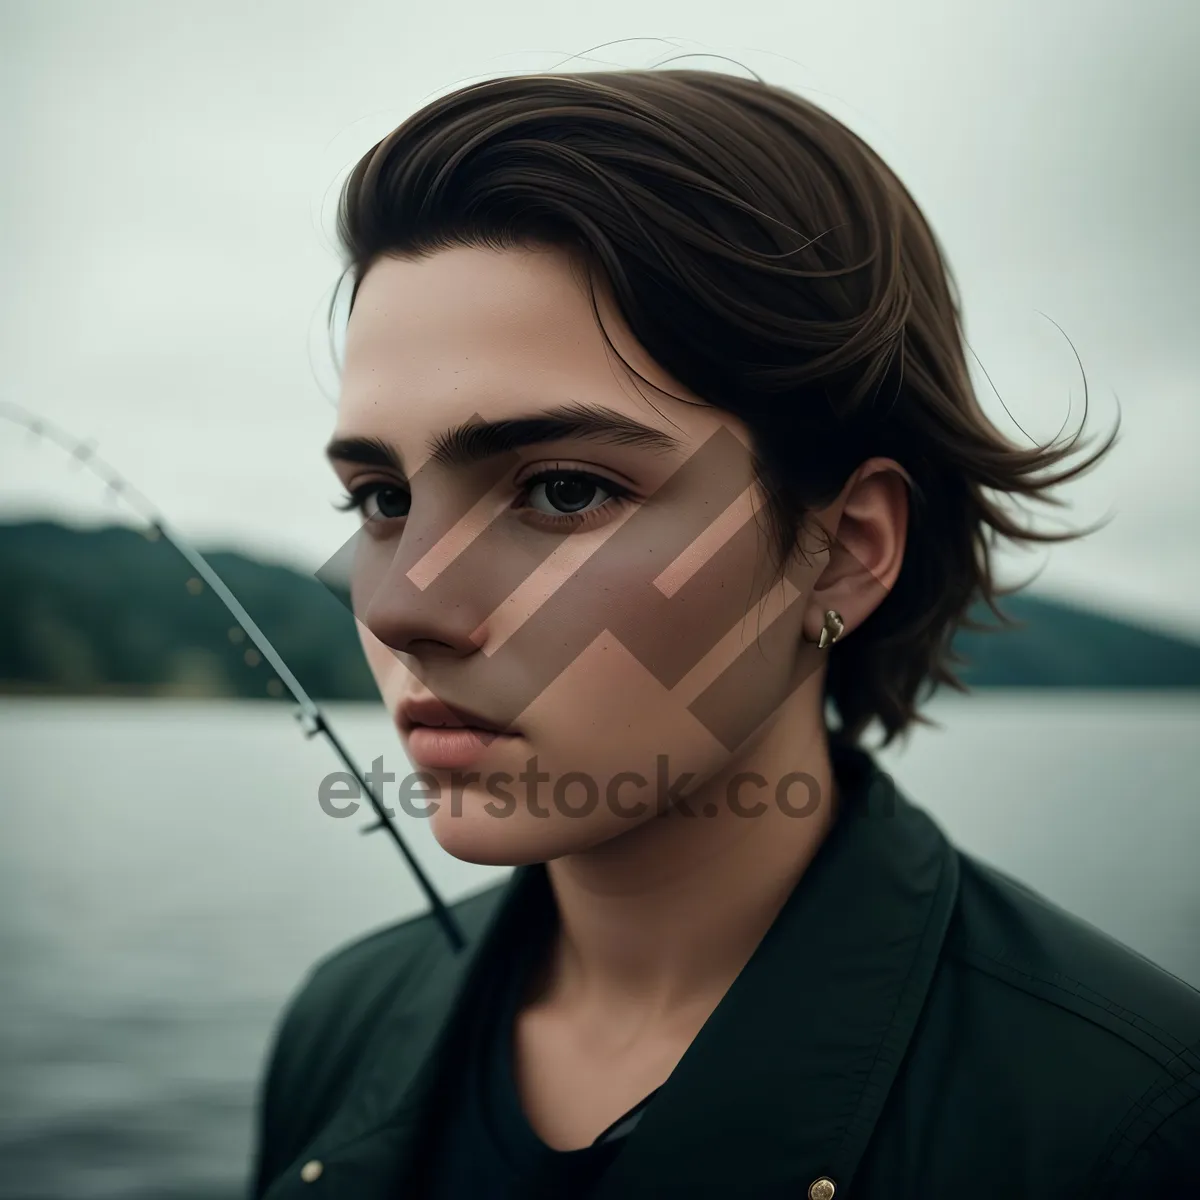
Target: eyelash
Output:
[(357, 497)]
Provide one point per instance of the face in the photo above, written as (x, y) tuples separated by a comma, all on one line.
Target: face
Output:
[(571, 554)]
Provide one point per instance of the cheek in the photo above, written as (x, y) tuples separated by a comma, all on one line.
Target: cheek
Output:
[(606, 714), (690, 677)]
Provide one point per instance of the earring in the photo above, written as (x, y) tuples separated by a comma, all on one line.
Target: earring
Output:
[(831, 630)]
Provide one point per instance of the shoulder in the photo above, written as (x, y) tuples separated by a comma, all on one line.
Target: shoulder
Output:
[(1089, 1025), (327, 1026), (1011, 932)]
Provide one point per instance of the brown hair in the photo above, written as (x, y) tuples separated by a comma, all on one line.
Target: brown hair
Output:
[(768, 259)]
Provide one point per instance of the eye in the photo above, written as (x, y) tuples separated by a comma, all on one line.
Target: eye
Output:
[(565, 494), (378, 501)]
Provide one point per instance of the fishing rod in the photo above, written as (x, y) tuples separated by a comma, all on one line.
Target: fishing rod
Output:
[(312, 720)]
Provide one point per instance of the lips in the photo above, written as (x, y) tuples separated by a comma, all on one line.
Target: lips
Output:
[(431, 712), (442, 736)]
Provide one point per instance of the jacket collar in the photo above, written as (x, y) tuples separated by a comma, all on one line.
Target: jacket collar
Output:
[(786, 1080)]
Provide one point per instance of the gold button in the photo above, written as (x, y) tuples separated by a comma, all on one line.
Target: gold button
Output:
[(311, 1171), (821, 1189)]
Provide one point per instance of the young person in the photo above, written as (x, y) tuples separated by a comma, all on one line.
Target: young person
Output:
[(673, 485)]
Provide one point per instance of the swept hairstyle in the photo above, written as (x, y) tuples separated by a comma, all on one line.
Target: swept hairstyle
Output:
[(768, 259)]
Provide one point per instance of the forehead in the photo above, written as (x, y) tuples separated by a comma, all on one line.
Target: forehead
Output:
[(456, 306), (471, 331)]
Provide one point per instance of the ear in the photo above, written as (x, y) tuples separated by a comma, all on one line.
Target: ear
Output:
[(867, 527)]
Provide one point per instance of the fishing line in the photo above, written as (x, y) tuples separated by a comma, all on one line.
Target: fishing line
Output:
[(310, 717)]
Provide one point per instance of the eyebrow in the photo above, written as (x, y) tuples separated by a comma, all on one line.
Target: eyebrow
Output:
[(476, 441)]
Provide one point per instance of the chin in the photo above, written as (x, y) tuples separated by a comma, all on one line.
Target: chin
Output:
[(479, 837)]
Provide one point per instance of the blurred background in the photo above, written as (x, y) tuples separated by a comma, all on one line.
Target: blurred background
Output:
[(166, 873)]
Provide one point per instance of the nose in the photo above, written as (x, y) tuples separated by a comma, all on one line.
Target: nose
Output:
[(410, 612)]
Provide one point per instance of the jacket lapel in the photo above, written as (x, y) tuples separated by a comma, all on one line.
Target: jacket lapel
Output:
[(369, 1144)]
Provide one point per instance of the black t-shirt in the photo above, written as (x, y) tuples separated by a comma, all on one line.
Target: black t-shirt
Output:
[(483, 1147)]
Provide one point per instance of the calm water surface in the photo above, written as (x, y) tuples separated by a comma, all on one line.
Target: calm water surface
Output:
[(167, 877)]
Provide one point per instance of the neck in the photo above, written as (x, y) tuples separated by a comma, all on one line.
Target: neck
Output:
[(656, 924)]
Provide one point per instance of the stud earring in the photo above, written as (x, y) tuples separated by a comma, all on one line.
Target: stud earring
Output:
[(831, 630)]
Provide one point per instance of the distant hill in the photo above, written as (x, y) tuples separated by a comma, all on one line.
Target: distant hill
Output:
[(107, 611)]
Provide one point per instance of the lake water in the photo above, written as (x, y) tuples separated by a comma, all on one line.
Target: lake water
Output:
[(167, 877)]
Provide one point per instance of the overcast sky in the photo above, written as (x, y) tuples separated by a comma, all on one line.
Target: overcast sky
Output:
[(172, 169)]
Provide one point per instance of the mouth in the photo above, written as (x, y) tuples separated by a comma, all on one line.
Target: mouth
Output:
[(430, 713), (440, 735)]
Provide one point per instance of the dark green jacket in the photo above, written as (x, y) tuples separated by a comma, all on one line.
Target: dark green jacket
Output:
[(914, 1024)]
